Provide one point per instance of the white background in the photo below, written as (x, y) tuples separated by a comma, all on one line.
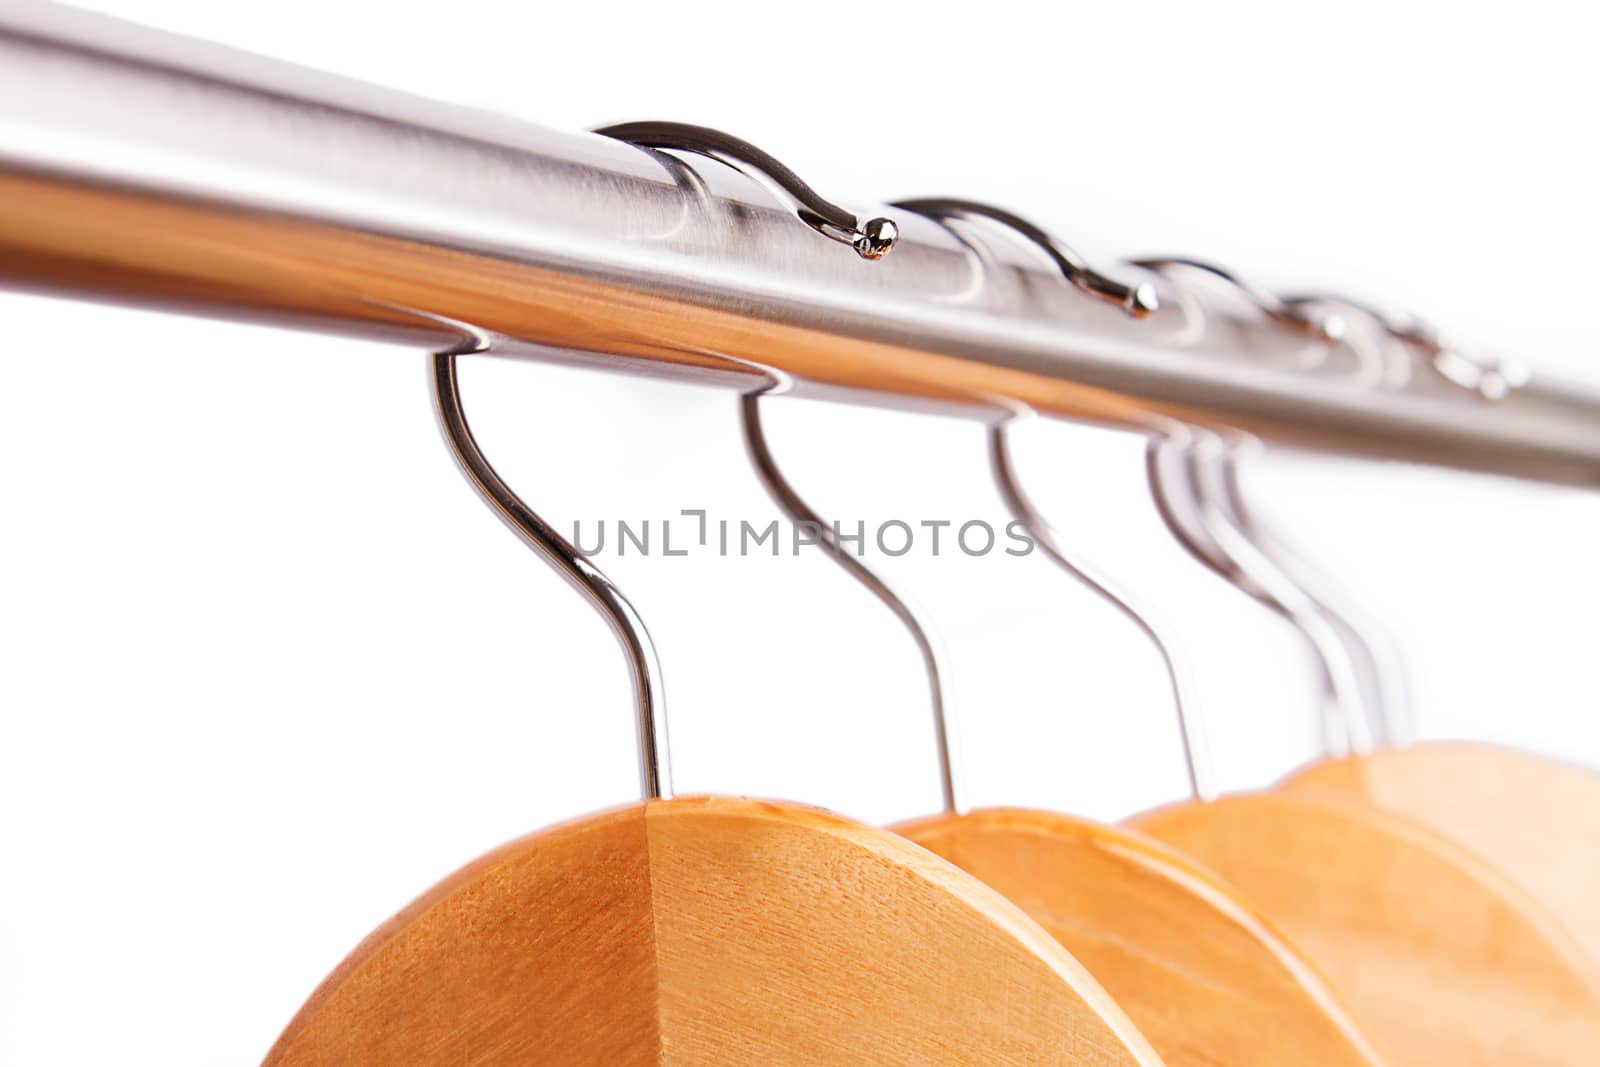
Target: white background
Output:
[(270, 669)]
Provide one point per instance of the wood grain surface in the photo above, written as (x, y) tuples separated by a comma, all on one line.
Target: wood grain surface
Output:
[(711, 931), (1536, 819), (1442, 960), (1205, 977)]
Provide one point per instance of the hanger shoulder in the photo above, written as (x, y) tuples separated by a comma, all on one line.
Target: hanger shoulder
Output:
[(1204, 977), (1535, 819), (932, 964), (711, 931), (1441, 959), (452, 973)]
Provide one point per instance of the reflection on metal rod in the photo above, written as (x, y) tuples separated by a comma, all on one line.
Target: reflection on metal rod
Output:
[(145, 168), (655, 768)]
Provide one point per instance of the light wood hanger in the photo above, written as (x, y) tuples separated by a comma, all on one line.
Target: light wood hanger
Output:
[(1535, 819), (701, 930), (1202, 972), (1205, 978), (710, 930), (1443, 958)]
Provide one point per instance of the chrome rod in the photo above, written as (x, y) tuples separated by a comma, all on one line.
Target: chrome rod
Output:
[(142, 167)]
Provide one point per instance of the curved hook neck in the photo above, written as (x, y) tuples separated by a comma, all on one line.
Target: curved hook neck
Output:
[(825, 536), (1191, 725), (1189, 481), (1367, 645), (655, 769), (1201, 501)]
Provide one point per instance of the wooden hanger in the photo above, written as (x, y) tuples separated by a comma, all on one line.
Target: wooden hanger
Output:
[(710, 931), (1536, 819), (1443, 958), (700, 931), (1204, 977)]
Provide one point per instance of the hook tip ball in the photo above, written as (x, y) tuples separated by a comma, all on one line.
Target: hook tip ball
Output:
[(1142, 300), (876, 237)]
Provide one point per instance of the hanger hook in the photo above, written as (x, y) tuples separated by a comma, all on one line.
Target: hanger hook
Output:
[(871, 239), (1370, 652), (1139, 301), (1188, 473), (793, 505), (1368, 637), (1491, 379), (1291, 315), (655, 769), (1191, 724), (1200, 500), (1381, 668)]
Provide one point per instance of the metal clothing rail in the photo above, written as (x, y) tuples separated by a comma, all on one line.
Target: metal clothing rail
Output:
[(142, 167)]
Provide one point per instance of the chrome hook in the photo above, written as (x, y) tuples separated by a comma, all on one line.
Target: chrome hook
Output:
[(1378, 366), (871, 239), (1493, 380), (655, 769), (1196, 749), (1201, 501), (1138, 300), (1189, 473), (1377, 658), (1283, 312), (1191, 726), (792, 504)]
